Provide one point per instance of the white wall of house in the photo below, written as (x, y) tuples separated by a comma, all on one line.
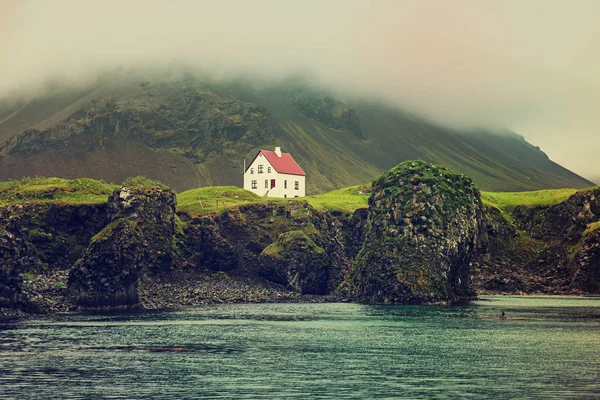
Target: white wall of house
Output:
[(260, 174)]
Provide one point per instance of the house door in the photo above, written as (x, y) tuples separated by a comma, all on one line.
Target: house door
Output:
[(272, 183)]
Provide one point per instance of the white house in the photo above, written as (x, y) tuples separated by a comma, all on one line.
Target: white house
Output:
[(275, 174)]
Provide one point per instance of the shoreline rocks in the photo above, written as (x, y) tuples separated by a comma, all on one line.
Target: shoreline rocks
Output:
[(415, 244)]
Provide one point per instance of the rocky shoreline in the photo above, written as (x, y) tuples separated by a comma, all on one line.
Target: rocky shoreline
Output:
[(186, 288), (426, 238)]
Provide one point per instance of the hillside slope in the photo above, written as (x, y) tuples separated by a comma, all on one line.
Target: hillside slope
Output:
[(191, 133)]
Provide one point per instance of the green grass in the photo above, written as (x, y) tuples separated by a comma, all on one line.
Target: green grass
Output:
[(214, 198), (345, 200), (204, 200), (507, 201), (76, 191), (142, 181), (592, 227)]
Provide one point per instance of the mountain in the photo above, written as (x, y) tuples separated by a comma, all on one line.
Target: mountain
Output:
[(192, 132)]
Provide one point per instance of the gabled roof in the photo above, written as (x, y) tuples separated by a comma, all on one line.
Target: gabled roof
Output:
[(284, 164)]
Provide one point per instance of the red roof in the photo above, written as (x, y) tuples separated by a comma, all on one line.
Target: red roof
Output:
[(284, 164)]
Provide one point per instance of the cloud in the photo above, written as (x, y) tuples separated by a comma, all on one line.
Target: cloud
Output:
[(528, 66)]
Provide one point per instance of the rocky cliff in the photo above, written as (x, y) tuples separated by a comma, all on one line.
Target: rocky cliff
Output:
[(291, 244), (425, 223), (138, 240), (542, 249), (424, 238)]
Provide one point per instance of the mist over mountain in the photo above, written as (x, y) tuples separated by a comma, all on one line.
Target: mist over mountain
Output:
[(528, 67), (189, 130)]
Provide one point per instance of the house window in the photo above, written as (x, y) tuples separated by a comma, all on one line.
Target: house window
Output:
[(285, 184), (251, 170), (285, 196), (297, 185), (260, 169), (269, 170), (266, 183), (253, 184)]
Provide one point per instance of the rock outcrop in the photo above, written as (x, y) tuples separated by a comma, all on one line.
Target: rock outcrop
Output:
[(297, 261), (423, 239), (291, 244), (425, 223), (586, 264), (16, 256), (138, 240), (542, 249)]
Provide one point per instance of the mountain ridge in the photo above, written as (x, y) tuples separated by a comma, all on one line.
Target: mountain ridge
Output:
[(192, 133)]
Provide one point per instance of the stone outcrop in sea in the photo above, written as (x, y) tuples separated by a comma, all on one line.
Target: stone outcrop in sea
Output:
[(425, 223)]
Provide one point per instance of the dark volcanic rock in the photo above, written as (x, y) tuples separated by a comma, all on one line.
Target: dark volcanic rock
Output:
[(296, 261), (139, 240), (566, 220), (207, 248), (237, 239), (425, 223), (16, 256), (542, 249), (59, 232), (587, 264), (152, 208), (107, 274)]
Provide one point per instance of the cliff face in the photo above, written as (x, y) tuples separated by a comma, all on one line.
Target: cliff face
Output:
[(138, 240), (37, 238), (550, 249), (424, 238), (291, 244), (16, 257), (425, 223)]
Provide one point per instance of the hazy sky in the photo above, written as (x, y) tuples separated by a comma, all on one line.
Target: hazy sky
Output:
[(531, 66)]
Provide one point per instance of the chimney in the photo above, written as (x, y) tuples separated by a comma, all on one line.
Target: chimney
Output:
[(278, 151)]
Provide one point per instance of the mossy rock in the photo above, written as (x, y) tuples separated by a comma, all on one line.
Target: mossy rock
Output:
[(424, 224), (296, 261), (108, 272)]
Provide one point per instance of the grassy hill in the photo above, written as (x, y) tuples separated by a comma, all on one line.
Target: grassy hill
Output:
[(191, 133)]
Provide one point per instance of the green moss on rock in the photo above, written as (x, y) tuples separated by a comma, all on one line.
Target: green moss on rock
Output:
[(425, 222), (296, 261)]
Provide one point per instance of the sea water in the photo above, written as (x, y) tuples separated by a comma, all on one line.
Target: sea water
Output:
[(545, 347)]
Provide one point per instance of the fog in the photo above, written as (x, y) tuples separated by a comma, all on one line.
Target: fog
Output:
[(530, 66)]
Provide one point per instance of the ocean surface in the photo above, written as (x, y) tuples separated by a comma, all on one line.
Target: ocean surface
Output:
[(546, 347)]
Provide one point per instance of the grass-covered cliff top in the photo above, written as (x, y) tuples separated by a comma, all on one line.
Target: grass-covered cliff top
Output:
[(507, 201), (209, 199), (345, 200), (76, 191)]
